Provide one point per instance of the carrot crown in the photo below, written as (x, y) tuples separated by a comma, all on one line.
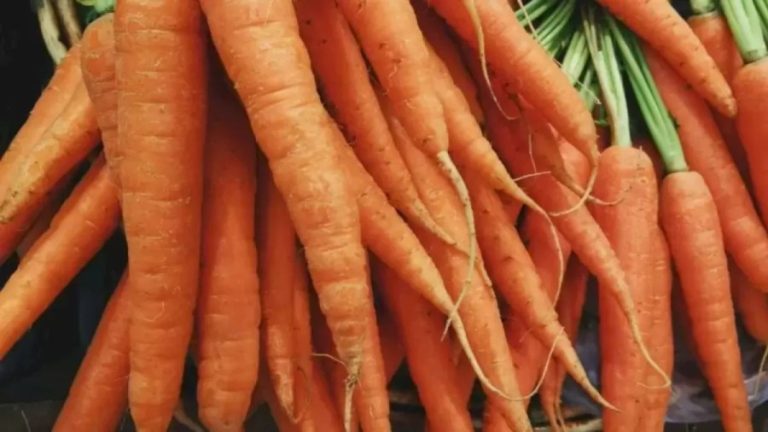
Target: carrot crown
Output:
[(748, 26), (701, 7)]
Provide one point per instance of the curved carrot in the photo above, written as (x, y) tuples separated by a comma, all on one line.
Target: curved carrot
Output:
[(689, 218), (665, 30), (746, 239), (526, 68), (98, 65), (343, 75), (228, 309), (99, 394), (87, 218), (161, 99)]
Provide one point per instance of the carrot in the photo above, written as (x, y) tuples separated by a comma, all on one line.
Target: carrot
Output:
[(712, 30), (323, 414), (267, 392), (525, 68), (420, 326), (665, 30), (342, 72), (479, 309), (746, 239), (87, 219), (689, 218), (228, 309), (751, 304), (65, 144), (99, 394), (307, 389), (278, 275), (98, 65), (160, 99), (392, 350), (569, 309)]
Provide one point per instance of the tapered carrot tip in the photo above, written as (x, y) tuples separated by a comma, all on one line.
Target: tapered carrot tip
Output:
[(729, 108)]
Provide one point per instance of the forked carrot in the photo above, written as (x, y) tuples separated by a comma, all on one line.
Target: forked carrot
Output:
[(99, 394)]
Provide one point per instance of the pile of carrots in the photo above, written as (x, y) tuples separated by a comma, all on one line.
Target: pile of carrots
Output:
[(314, 192)]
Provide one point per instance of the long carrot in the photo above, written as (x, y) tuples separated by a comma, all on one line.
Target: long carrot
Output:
[(420, 327), (343, 75), (98, 65), (228, 309), (751, 304), (99, 394), (161, 116), (665, 30), (309, 393), (65, 144), (525, 68), (392, 350), (87, 219)]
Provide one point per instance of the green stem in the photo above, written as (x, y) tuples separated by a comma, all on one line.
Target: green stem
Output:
[(604, 59), (553, 32), (745, 25), (701, 7), (657, 118), (762, 10), (589, 88), (533, 10), (576, 57)]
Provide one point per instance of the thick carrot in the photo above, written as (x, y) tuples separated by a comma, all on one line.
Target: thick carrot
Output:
[(569, 309), (751, 304), (525, 68), (228, 309), (87, 219), (689, 218), (99, 394), (277, 276), (479, 309), (161, 115), (746, 239), (712, 30), (98, 65), (665, 30), (66, 143), (341, 69)]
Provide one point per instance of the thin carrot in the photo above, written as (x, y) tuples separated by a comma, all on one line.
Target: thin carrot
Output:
[(657, 22), (392, 350), (98, 65), (66, 143), (99, 394), (746, 239), (87, 219), (267, 393), (420, 326), (525, 68), (228, 310), (311, 395), (341, 69), (161, 98), (751, 304)]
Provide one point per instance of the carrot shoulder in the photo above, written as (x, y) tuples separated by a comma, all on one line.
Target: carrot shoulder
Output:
[(162, 103)]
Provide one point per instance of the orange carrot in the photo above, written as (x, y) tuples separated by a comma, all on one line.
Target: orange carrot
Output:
[(267, 393), (525, 68), (340, 67), (99, 394), (420, 327), (65, 144), (665, 30), (87, 219), (228, 309), (751, 304), (689, 218), (161, 99), (311, 395), (746, 239), (392, 350), (98, 65)]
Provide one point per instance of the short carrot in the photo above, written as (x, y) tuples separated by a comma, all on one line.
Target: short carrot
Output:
[(228, 310), (657, 22), (161, 98), (87, 218), (99, 394)]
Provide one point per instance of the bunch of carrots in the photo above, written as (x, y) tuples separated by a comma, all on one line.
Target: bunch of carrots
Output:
[(314, 192)]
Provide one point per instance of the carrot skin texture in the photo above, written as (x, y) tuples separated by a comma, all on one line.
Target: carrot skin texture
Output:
[(751, 305), (657, 22), (689, 219), (392, 350), (631, 226), (87, 218), (99, 394), (420, 327), (525, 68), (228, 309), (65, 144), (161, 135), (750, 85), (98, 66), (746, 239)]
